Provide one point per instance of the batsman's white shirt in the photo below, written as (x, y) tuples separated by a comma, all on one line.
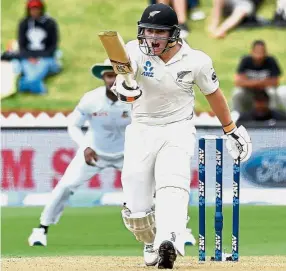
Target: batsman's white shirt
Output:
[(107, 122), (167, 88), (160, 141)]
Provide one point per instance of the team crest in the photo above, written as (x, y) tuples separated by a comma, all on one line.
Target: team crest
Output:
[(153, 13), (148, 69), (125, 114), (184, 80)]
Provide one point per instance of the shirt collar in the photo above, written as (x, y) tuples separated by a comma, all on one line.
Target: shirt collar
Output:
[(109, 101), (180, 54)]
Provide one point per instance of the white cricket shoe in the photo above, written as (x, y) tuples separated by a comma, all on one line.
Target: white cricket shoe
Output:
[(38, 237), (189, 238), (150, 255)]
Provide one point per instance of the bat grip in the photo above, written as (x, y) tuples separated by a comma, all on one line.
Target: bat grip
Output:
[(130, 82)]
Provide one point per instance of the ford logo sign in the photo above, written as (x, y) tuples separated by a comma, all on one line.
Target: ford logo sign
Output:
[(266, 167)]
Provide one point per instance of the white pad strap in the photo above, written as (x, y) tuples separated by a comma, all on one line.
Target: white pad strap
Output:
[(141, 224)]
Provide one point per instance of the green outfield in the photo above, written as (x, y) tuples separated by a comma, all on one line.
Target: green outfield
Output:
[(80, 21), (100, 231)]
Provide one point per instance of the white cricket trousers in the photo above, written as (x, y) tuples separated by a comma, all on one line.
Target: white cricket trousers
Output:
[(158, 159), (77, 173)]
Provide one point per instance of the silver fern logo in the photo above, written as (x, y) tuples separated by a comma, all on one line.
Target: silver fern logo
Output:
[(184, 80), (153, 13)]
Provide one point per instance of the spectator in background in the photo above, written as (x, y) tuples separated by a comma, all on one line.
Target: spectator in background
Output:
[(194, 11), (256, 72), (261, 110), (279, 19), (181, 8), (38, 41), (242, 12)]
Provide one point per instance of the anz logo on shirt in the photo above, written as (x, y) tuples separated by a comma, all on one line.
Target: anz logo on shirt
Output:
[(148, 69)]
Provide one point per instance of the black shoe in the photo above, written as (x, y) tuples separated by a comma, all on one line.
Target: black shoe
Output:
[(167, 255), (253, 22), (278, 21)]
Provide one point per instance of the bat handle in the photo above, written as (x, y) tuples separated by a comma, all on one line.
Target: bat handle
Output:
[(130, 82)]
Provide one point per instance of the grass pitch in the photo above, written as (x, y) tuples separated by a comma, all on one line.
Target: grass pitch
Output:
[(100, 231), (95, 239)]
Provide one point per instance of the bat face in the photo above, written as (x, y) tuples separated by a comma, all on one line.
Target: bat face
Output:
[(115, 49)]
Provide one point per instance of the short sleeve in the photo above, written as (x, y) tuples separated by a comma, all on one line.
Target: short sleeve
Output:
[(206, 79), (274, 68), (242, 65)]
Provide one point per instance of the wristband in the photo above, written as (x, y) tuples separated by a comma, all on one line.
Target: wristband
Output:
[(229, 127)]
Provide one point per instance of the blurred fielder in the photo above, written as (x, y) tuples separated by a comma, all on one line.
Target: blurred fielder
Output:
[(160, 141), (101, 147)]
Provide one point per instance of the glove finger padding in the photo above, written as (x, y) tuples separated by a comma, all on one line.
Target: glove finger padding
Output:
[(239, 144), (126, 94)]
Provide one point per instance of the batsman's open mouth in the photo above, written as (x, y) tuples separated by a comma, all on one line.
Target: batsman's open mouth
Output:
[(156, 47)]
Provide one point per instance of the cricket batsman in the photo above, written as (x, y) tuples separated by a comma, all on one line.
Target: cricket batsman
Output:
[(160, 141)]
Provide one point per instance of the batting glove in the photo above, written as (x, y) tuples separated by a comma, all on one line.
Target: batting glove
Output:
[(239, 143), (125, 93)]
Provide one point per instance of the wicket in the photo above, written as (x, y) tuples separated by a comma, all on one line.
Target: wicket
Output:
[(218, 201)]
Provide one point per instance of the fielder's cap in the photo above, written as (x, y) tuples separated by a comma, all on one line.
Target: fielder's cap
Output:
[(100, 68), (158, 16)]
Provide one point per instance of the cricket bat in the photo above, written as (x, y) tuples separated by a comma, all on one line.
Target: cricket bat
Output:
[(115, 49)]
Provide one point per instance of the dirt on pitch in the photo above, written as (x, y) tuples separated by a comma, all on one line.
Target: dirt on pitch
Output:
[(97, 263)]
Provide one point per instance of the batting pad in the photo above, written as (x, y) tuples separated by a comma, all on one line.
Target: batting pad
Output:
[(141, 224)]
